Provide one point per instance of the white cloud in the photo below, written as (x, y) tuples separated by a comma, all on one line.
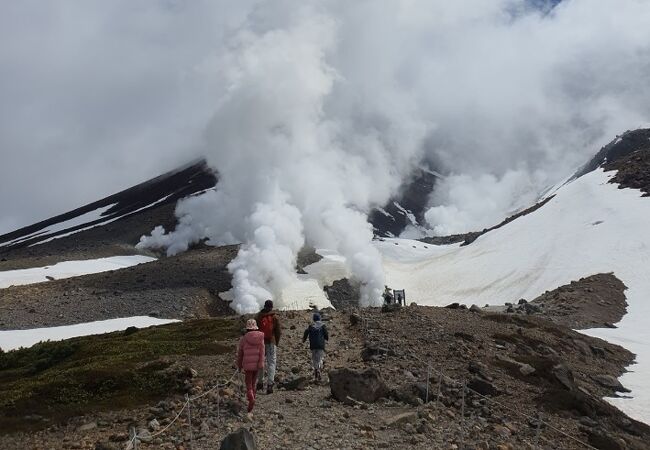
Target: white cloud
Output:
[(321, 108)]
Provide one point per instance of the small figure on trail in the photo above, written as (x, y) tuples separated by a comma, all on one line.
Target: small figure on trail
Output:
[(250, 359), (400, 297), (388, 295), (317, 333), (270, 326)]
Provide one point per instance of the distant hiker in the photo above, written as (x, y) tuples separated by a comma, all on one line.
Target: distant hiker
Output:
[(400, 297), (250, 359), (270, 326), (317, 333), (388, 295)]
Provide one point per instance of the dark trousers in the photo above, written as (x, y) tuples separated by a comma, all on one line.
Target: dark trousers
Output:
[(251, 388)]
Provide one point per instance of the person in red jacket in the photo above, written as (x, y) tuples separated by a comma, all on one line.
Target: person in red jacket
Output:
[(250, 359), (270, 326)]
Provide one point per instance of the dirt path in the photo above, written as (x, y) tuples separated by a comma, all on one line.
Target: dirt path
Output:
[(465, 345)]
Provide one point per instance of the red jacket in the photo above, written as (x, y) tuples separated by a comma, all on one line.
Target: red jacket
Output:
[(277, 329), (250, 355)]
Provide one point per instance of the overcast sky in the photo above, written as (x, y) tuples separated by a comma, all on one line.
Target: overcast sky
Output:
[(99, 95)]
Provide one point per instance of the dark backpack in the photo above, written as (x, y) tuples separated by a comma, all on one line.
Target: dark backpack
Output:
[(266, 326), (316, 337)]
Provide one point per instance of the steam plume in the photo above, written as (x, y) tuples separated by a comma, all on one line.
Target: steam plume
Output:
[(320, 110)]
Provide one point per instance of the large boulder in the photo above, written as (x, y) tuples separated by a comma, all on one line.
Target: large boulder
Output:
[(413, 393), (564, 377), (374, 353), (483, 387), (295, 384), (604, 440), (366, 386), (609, 381), (241, 439)]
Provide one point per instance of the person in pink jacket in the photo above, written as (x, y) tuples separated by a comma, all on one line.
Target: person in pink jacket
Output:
[(250, 359)]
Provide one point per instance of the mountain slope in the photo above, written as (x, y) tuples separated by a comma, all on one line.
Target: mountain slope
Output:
[(590, 226), (117, 220)]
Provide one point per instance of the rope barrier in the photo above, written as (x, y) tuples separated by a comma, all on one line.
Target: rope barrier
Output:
[(169, 424), (365, 323), (133, 442), (189, 420), (462, 416)]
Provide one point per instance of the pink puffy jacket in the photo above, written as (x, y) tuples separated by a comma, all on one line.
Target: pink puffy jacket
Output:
[(250, 355)]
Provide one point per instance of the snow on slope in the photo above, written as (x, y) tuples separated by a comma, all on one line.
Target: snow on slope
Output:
[(88, 217), (68, 269), (13, 339), (308, 290), (589, 227)]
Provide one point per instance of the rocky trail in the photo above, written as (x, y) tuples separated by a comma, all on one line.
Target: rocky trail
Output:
[(515, 368)]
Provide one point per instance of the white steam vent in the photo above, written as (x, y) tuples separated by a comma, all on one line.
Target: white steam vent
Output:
[(320, 110)]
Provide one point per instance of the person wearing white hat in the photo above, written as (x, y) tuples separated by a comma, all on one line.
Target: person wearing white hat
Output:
[(250, 359)]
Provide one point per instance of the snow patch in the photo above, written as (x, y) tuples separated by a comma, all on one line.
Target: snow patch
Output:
[(14, 339), (88, 217), (384, 212), (68, 269)]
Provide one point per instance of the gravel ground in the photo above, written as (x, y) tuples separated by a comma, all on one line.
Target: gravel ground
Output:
[(413, 338)]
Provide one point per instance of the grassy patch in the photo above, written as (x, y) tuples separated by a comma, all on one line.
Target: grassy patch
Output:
[(56, 380)]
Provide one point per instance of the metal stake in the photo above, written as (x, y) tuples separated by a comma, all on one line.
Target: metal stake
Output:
[(462, 419), (426, 397), (189, 420), (133, 436), (539, 426), (439, 389), (219, 406)]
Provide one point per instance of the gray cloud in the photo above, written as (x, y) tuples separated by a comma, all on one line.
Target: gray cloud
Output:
[(97, 96)]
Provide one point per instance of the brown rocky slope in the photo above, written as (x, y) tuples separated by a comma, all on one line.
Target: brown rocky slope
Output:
[(521, 366)]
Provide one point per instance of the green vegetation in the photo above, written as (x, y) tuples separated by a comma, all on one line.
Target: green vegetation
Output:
[(56, 380)]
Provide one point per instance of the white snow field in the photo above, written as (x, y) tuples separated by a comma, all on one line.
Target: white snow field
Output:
[(68, 269), (13, 339), (589, 227)]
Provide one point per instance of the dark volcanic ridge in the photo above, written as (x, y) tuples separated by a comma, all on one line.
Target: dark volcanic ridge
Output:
[(407, 208), (136, 211), (619, 148), (152, 203), (164, 189), (633, 171)]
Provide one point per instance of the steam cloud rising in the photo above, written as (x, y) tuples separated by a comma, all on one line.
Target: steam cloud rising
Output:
[(314, 112)]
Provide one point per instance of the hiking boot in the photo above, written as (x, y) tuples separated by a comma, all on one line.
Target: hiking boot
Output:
[(318, 377), (259, 386), (269, 389)]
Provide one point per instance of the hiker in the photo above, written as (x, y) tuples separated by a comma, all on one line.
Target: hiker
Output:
[(388, 295), (270, 326), (250, 359), (317, 333)]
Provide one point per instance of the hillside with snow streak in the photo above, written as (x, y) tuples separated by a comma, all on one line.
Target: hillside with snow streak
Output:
[(589, 226)]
